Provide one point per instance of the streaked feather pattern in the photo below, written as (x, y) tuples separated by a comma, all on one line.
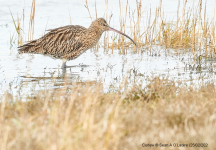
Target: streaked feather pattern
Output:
[(57, 42), (68, 42)]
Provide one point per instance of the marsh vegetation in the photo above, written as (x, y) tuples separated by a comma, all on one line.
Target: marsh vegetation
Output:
[(162, 91)]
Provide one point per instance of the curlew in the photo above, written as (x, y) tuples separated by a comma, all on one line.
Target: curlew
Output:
[(68, 42)]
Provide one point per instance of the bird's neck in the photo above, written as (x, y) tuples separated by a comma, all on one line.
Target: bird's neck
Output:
[(95, 29), (93, 35)]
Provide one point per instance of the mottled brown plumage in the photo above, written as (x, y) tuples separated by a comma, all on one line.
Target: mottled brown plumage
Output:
[(68, 42)]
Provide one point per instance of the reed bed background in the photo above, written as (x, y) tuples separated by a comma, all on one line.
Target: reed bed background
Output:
[(191, 28)]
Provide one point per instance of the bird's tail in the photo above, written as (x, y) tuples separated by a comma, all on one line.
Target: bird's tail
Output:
[(27, 48)]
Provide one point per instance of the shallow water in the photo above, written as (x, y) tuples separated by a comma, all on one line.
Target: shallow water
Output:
[(109, 68)]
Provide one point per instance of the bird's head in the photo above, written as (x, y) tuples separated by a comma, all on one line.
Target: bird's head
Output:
[(102, 26)]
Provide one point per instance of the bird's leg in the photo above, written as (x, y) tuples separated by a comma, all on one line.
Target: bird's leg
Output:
[(64, 63)]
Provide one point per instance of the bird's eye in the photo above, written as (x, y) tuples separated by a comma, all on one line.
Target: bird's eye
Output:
[(104, 25)]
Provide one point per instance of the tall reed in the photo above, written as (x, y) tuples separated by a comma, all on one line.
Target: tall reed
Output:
[(31, 21)]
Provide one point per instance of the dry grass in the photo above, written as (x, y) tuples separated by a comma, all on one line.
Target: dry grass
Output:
[(191, 28), (31, 22), (86, 118)]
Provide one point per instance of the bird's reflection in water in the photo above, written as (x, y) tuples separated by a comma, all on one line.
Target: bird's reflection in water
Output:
[(57, 76)]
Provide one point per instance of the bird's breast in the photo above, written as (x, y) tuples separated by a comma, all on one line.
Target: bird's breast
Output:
[(91, 39)]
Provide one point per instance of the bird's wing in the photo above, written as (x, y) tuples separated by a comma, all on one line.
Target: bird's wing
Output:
[(57, 42), (63, 40)]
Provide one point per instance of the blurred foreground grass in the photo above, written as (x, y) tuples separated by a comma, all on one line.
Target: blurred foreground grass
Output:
[(84, 117)]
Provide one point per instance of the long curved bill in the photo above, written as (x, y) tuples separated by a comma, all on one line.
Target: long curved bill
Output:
[(111, 29)]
